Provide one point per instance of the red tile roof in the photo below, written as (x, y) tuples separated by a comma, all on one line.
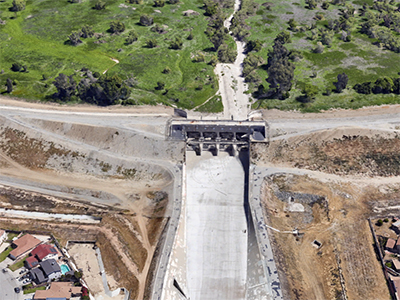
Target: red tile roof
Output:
[(32, 261), (43, 250)]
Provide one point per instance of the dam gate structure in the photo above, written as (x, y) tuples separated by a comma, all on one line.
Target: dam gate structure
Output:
[(216, 254)]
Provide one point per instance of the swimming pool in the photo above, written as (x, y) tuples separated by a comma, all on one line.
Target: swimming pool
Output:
[(64, 269)]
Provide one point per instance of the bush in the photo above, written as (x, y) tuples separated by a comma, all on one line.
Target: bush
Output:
[(379, 222), (146, 20), (96, 74), (166, 70), (18, 5), (386, 220), (176, 44), (132, 37), (159, 3), (135, 1), (160, 85), (16, 67), (226, 54), (117, 27), (151, 43), (100, 5), (319, 48), (173, 1), (253, 45), (190, 36)]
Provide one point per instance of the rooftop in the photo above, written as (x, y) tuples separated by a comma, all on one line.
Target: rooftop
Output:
[(24, 244), (49, 266), (32, 261), (390, 243), (43, 250), (58, 290)]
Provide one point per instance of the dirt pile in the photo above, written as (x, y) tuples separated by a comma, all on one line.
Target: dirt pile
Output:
[(347, 151), (335, 216)]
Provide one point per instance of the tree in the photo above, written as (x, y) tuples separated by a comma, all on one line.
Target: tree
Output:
[(218, 37), (65, 86), (176, 44), (363, 88), (292, 24), (117, 27), (100, 5), (309, 92), (18, 5), (341, 83), (160, 85), (146, 20), (379, 222), (253, 45), (319, 48), (383, 86), (226, 54), (132, 37), (211, 7), (311, 4), (151, 43), (280, 71), (16, 67), (190, 36), (87, 31), (159, 3), (250, 63), (9, 85), (75, 38), (283, 37)]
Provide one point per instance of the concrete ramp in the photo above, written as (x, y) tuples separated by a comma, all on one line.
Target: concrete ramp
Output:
[(216, 227)]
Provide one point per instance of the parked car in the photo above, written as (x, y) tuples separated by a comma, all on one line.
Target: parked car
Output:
[(5, 270), (17, 289)]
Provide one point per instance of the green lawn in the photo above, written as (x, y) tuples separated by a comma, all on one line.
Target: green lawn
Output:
[(32, 290), (18, 264), (4, 254)]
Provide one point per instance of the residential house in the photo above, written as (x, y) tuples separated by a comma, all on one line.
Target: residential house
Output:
[(390, 245), (3, 236), (44, 252), (38, 276), (23, 246), (51, 269), (396, 264), (59, 290)]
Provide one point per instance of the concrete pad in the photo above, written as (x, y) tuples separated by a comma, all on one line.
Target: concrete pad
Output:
[(216, 227)]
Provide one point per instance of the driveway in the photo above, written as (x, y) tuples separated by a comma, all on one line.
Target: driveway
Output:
[(8, 283)]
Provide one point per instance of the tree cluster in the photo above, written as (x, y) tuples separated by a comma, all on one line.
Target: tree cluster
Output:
[(103, 91), (385, 85), (75, 36)]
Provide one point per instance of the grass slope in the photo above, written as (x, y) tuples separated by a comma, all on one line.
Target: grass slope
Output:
[(38, 38)]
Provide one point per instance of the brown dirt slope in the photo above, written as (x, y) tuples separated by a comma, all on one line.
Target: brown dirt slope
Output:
[(345, 151), (335, 215)]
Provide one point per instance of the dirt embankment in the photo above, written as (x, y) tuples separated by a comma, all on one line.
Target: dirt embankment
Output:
[(335, 215), (346, 151)]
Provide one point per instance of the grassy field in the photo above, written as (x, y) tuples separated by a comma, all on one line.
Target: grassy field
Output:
[(18, 264), (38, 38), (360, 58)]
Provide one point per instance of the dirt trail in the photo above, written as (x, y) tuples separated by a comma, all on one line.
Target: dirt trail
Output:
[(114, 60), (231, 83)]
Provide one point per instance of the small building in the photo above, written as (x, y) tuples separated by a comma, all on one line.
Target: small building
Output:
[(51, 269), (390, 245), (3, 236), (396, 226), (23, 246), (396, 264), (31, 262), (44, 252), (59, 290)]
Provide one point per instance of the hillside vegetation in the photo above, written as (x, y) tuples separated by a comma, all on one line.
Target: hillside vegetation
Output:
[(163, 53)]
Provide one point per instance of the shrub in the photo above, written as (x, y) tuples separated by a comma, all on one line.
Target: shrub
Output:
[(386, 220), (100, 5), (167, 70), (379, 222), (151, 43), (117, 27), (190, 36), (18, 5), (159, 3), (132, 37), (319, 48), (87, 31), (135, 1), (176, 44), (160, 85), (146, 20), (173, 1), (213, 61), (96, 74), (16, 67), (226, 54), (253, 45)]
